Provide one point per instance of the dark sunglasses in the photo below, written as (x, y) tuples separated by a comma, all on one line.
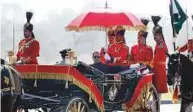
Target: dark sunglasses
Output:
[(96, 57)]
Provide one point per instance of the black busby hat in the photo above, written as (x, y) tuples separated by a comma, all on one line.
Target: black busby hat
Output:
[(157, 28), (28, 25), (143, 32), (145, 21), (64, 51), (155, 19)]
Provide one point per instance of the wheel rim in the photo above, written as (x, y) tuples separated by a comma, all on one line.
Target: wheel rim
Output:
[(77, 105), (21, 110), (153, 100), (149, 101), (189, 108)]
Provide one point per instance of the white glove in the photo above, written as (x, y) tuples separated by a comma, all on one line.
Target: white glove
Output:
[(107, 57), (134, 65), (145, 71), (19, 62)]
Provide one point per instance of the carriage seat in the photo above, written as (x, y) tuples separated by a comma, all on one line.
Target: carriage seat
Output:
[(100, 68)]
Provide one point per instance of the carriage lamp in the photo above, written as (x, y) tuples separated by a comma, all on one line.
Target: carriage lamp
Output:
[(12, 58), (112, 92), (71, 58)]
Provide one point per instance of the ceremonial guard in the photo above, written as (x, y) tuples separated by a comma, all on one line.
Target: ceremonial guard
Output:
[(28, 47), (141, 53), (159, 61), (118, 53), (188, 47), (111, 41)]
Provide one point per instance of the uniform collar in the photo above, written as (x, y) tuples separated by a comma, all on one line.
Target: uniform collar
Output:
[(141, 45), (121, 42), (29, 38)]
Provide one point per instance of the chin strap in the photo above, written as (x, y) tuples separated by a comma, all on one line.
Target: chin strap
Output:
[(175, 97)]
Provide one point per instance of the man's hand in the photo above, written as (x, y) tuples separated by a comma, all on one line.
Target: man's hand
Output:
[(24, 60)]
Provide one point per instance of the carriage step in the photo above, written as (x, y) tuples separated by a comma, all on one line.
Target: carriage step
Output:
[(40, 97), (9, 94)]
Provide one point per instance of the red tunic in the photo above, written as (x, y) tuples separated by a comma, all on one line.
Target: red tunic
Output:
[(120, 53), (28, 49), (159, 66), (102, 53), (141, 53)]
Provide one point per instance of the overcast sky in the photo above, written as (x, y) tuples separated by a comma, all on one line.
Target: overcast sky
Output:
[(50, 18)]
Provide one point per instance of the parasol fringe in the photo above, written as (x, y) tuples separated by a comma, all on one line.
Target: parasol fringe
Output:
[(100, 28)]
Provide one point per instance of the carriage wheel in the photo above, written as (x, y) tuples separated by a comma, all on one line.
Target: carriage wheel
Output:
[(22, 110), (189, 108), (76, 104), (149, 101)]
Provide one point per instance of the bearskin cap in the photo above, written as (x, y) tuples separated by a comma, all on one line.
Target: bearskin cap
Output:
[(28, 25), (157, 28), (143, 32)]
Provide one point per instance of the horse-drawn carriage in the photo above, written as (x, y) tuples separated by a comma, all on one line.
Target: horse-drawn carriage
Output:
[(84, 88), (81, 87)]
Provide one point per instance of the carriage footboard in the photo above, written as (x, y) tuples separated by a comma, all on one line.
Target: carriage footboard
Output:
[(41, 98)]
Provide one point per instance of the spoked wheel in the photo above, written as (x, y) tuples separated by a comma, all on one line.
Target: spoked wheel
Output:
[(189, 108), (22, 110), (76, 104), (149, 100)]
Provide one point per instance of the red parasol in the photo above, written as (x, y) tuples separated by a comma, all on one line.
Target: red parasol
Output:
[(102, 20)]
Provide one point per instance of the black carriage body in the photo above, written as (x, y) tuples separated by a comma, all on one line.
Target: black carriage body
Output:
[(114, 87), (123, 79), (51, 90)]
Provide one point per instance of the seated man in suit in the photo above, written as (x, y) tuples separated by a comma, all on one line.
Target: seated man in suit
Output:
[(96, 57)]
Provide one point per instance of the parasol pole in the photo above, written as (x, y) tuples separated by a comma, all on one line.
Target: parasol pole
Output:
[(13, 37), (106, 39), (106, 6)]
